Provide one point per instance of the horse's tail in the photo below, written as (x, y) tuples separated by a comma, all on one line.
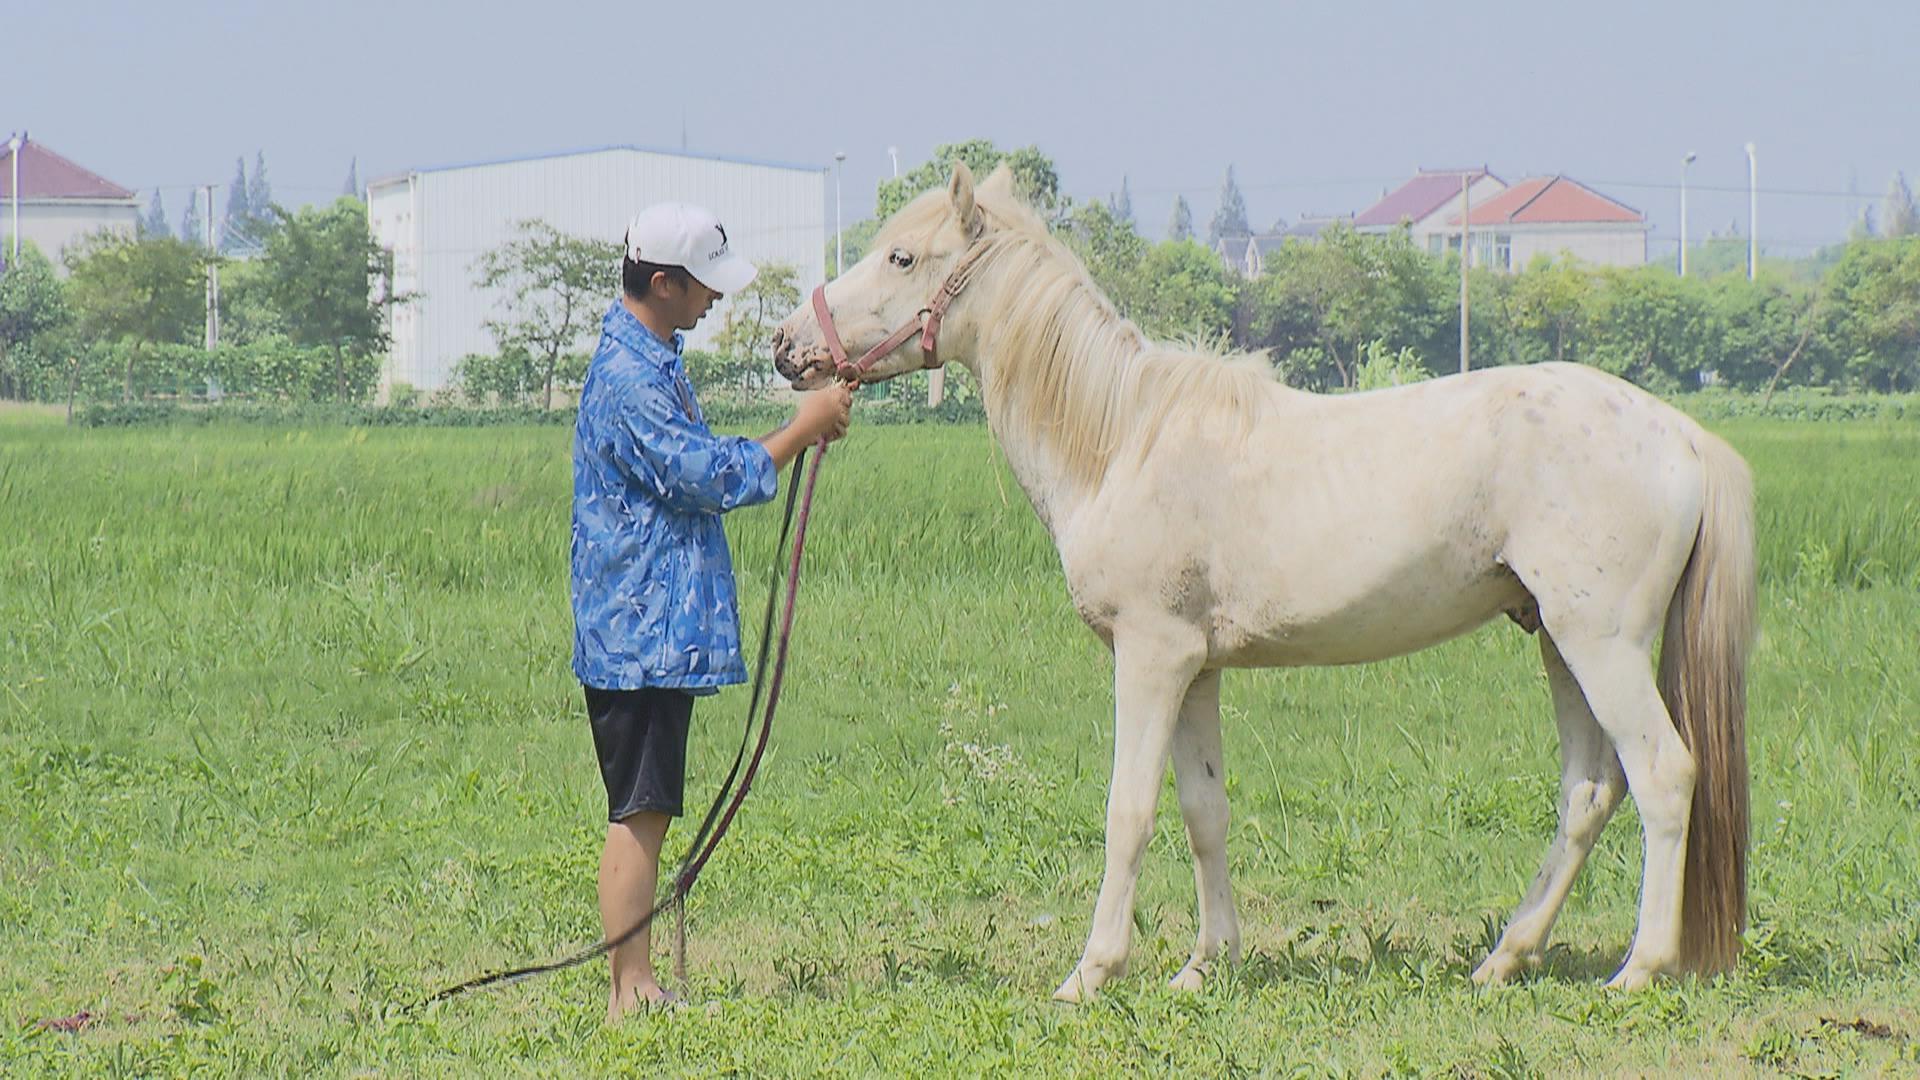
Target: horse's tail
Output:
[(1703, 666)]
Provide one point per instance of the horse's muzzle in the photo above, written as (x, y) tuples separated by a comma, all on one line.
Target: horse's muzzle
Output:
[(799, 366)]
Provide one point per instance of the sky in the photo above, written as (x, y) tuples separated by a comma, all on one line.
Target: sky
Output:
[(1317, 106)]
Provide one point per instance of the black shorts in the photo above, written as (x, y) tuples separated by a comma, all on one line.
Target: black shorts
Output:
[(641, 738)]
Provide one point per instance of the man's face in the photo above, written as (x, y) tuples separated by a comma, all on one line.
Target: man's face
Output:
[(688, 303)]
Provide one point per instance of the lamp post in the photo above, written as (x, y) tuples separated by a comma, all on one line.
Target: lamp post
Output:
[(1684, 162), (13, 151), (1753, 213), (839, 246)]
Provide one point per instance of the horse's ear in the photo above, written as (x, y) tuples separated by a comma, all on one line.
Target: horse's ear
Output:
[(999, 182), (961, 190)]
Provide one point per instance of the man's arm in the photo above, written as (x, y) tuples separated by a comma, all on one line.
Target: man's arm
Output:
[(684, 465)]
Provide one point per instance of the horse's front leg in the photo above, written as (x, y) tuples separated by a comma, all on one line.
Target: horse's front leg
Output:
[(1202, 775), (1152, 668)]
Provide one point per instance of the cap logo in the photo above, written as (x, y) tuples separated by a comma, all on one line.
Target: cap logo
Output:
[(722, 249)]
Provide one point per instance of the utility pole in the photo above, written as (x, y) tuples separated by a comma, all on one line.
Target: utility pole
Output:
[(213, 276), (839, 247), (1684, 162), (1753, 213), (1466, 181), (13, 146)]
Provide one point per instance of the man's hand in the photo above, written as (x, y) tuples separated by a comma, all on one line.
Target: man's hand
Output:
[(823, 414)]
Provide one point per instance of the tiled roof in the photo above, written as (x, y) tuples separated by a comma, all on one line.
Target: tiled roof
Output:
[(1550, 200), (46, 175), (392, 178), (1313, 226), (1419, 197)]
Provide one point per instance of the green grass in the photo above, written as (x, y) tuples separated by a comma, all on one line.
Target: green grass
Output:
[(288, 738)]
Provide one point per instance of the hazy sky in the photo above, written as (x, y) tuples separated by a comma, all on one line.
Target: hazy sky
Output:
[(1318, 106)]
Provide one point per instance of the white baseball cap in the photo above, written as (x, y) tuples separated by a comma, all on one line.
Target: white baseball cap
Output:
[(687, 236)]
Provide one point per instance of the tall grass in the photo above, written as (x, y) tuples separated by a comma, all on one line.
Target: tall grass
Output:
[(287, 736)]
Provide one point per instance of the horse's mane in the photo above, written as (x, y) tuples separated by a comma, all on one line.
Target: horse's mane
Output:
[(1080, 374)]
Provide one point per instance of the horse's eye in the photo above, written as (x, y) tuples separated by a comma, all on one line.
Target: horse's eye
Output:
[(901, 259)]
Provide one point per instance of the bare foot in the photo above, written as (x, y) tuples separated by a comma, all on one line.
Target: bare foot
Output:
[(643, 997)]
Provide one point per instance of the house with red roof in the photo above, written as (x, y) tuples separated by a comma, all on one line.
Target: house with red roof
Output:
[(1423, 204), (59, 201), (1553, 216)]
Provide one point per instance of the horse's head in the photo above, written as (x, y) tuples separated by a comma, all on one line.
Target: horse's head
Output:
[(914, 255)]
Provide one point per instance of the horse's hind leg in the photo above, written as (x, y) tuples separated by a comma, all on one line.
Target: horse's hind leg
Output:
[(1615, 673), (1201, 774), (1591, 784)]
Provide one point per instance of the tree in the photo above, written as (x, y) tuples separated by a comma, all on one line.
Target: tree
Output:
[(353, 178), (247, 312), (554, 284), (332, 287), (1319, 305), (236, 232), (138, 293), (1874, 308), (1381, 368), (155, 221), (1188, 294), (1122, 204), (1180, 226), (1902, 218), (1724, 253), (754, 313), (1111, 252), (1034, 176), (1174, 289), (1035, 179), (1230, 219), (259, 193), (1548, 308), (854, 241), (193, 227), (1863, 226), (1761, 331), (1650, 327), (33, 313)]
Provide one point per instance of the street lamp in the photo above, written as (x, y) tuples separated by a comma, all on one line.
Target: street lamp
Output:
[(1753, 213), (839, 247), (13, 151), (1684, 162)]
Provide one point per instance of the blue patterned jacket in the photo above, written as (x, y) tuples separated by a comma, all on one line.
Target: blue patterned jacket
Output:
[(653, 591)]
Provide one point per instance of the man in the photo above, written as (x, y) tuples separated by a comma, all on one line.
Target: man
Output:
[(656, 620)]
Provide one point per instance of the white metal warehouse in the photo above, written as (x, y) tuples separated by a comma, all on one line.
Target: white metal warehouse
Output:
[(439, 221)]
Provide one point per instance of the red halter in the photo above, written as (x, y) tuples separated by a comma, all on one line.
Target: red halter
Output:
[(926, 323)]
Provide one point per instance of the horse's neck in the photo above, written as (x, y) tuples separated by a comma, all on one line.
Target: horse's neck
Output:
[(1045, 422), (1054, 491)]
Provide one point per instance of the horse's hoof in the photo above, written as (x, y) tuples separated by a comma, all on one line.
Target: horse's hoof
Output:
[(1498, 968), (1192, 979), (1632, 978), (1078, 989), (1083, 984)]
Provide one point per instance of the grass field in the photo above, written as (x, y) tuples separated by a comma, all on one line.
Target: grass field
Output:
[(288, 739)]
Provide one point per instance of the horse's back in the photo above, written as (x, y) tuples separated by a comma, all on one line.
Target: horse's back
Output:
[(1354, 527)]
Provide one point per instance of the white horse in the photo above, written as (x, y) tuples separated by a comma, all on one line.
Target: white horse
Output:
[(1209, 517)]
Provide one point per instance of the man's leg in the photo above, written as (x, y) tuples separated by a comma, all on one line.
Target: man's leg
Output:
[(629, 870)]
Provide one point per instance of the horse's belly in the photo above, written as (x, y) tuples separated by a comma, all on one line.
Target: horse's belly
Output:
[(1300, 630)]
